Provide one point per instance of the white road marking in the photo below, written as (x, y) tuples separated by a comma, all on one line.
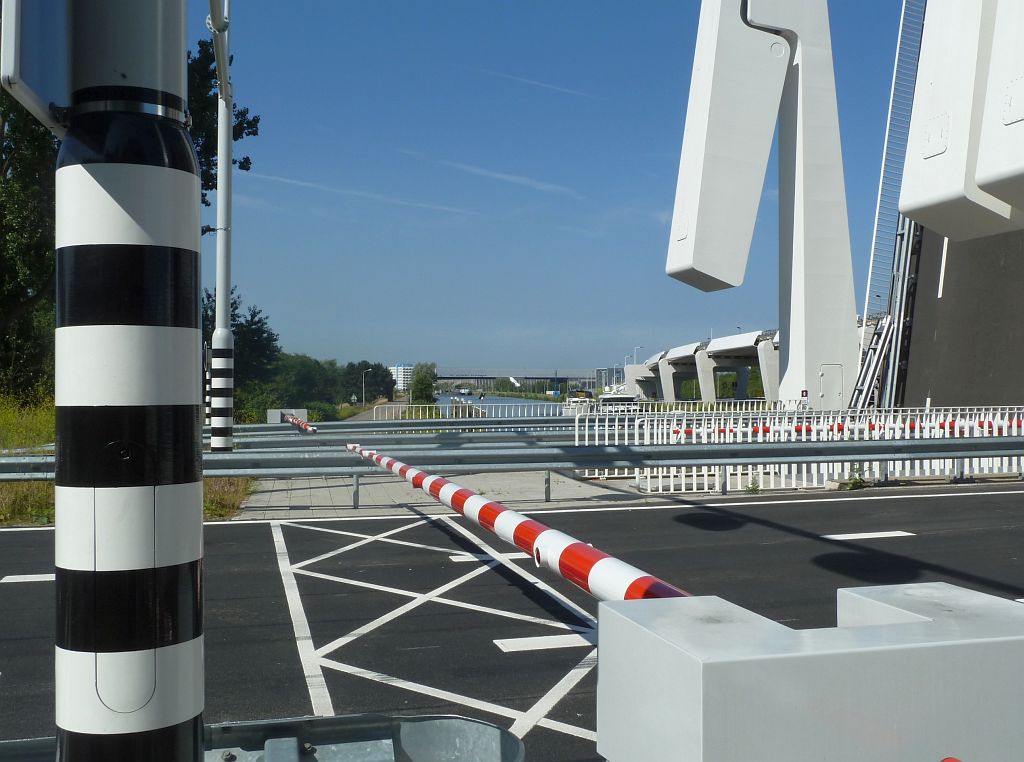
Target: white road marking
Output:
[(866, 535), (446, 601), (547, 642), (354, 545), (319, 696), (27, 578), (942, 267), (384, 537), (481, 557), (455, 698), (547, 702), (419, 600)]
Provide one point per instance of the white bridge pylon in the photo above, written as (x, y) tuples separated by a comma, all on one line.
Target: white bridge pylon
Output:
[(773, 65)]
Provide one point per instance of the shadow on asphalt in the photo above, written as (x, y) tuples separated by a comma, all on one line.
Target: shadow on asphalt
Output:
[(874, 567), (710, 522), (850, 559)]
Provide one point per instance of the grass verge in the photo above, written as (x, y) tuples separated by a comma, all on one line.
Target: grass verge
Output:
[(26, 503), (224, 496), (31, 503), (25, 425)]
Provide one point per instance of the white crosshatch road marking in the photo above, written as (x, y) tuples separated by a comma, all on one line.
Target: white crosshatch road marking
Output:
[(866, 535), (27, 578), (547, 642), (315, 660), (482, 557)]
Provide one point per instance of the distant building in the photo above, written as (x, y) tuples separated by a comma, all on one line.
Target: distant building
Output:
[(402, 374)]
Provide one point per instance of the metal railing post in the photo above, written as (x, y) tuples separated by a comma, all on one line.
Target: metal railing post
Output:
[(355, 490), (958, 471), (547, 486)]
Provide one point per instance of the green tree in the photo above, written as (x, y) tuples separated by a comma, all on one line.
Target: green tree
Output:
[(202, 104), (301, 380), (256, 344), (28, 155), (379, 381), (421, 383)]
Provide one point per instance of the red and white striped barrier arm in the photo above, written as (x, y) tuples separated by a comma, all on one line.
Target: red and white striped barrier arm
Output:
[(298, 423), (604, 577)]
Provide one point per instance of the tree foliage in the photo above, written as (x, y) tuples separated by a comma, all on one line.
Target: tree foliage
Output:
[(421, 383), (256, 344), (202, 104), (28, 155)]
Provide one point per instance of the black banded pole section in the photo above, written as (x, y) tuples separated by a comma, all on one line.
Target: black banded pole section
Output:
[(128, 547), (206, 384)]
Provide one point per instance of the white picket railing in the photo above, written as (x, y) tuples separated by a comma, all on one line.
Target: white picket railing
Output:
[(782, 425), (471, 408), (467, 409)]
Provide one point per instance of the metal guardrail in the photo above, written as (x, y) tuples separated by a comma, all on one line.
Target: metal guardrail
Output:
[(332, 462), (564, 423)]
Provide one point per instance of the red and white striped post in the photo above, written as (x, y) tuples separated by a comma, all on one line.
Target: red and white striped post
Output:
[(298, 423), (597, 573)]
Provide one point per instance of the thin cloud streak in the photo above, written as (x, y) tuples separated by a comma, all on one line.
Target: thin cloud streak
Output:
[(536, 83), (369, 196), (526, 182)]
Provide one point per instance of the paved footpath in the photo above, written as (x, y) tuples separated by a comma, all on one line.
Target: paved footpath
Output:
[(385, 494)]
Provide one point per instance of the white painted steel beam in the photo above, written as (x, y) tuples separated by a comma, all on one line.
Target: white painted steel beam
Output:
[(773, 66), (960, 86), (735, 91), (1001, 153)]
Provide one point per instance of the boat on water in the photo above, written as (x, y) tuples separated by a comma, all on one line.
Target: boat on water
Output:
[(618, 404), (577, 401)]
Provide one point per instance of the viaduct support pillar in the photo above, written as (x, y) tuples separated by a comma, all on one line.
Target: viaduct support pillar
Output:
[(768, 360), (128, 540), (742, 383), (706, 376), (667, 374)]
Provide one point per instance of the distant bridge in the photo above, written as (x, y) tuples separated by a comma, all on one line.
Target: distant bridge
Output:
[(485, 377)]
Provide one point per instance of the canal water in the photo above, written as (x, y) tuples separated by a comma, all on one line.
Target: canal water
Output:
[(497, 406)]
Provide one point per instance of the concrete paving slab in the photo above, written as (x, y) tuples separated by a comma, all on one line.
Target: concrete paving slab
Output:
[(386, 494)]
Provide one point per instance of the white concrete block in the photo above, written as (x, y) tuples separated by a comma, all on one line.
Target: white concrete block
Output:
[(913, 672)]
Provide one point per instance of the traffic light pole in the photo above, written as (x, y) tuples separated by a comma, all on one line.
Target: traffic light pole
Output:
[(128, 544)]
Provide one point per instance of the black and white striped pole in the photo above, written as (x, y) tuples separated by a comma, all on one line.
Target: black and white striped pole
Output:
[(206, 384), (129, 631), (222, 419)]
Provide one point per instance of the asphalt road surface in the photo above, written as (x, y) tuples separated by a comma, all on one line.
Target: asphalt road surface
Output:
[(414, 614)]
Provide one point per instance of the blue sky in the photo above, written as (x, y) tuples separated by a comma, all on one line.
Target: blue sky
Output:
[(489, 184)]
